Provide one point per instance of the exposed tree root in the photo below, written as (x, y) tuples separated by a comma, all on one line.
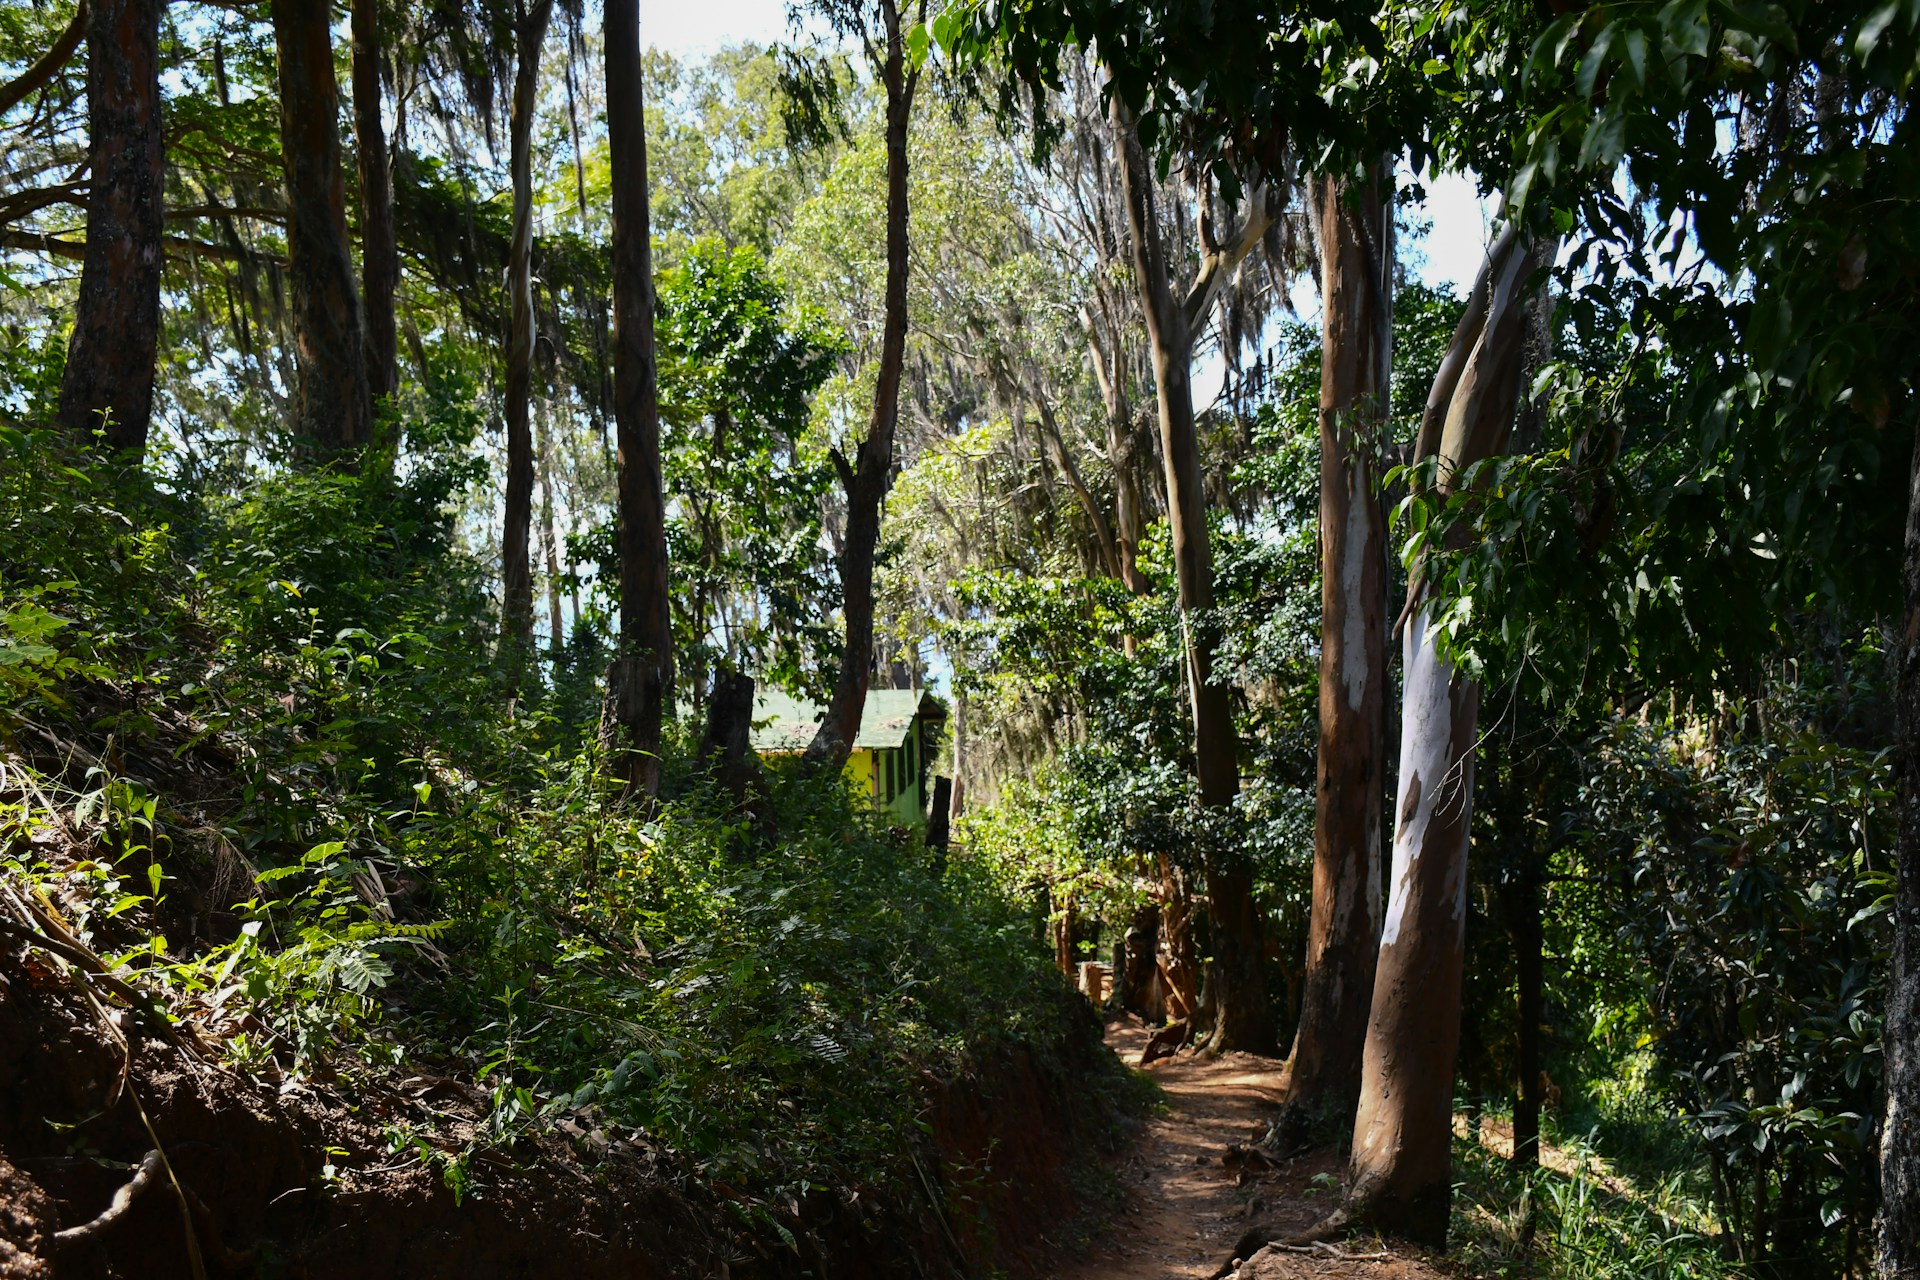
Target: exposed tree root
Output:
[(123, 1199)]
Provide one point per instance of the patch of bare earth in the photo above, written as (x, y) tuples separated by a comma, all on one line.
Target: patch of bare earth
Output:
[(1190, 1206)]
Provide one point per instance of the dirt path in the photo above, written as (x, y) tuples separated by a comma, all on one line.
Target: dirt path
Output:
[(1187, 1207)]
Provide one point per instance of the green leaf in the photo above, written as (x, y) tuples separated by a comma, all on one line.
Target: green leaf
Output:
[(1685, 25), (1873, 28)]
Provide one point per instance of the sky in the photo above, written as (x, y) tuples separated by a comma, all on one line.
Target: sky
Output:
[(695, 28), (692, 29)]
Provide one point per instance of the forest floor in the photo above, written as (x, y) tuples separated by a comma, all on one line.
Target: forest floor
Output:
[(1189, 1203)]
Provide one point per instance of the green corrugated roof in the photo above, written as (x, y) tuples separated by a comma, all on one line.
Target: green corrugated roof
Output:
[(782, 722)]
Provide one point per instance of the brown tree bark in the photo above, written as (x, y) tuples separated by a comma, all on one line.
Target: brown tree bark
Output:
[(1240, 1016), (1356, 362), (1899, 1245), (640, 681), (1401, 1168), (516, 559), (108, 382), (379, 254), (333, 405), (550, 541), (867, 478)]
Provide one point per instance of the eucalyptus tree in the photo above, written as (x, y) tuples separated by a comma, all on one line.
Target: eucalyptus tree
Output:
[(882, 31), (640, 680), (108, 381), (1765, 245), (1231, 90), (1354, 220)]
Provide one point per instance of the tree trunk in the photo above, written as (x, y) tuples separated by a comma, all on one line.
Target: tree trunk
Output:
[(1899, 1256), (1356, 361), (516, 560), (1133, 980), (379, 256), (1521, 904), (726, 750), (550, 540), (1176, 926), (1401, 1170), (1241, 1018), (867, 479), (108, 383), (640, 681), (333, 409)]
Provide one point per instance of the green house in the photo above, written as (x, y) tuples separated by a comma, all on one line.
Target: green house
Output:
[(892, 755)]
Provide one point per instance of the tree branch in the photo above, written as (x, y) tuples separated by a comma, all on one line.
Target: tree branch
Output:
[(44, 67), (1219, 263), (76, 250)]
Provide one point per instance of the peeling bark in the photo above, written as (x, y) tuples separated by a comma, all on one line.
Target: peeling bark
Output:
[(1355, 381), (108, 382), (640, 680), (1403, 1131)]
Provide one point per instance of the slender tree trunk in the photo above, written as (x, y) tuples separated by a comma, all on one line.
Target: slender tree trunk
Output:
[(1401, 1174), (550, 539), (108, 381), (1343, 939), (1176, 926), (1899, 1254), (867, 478), (516, 561), (333, 407), (1105, 545), (379, 256), (1121, 457), (958, 804), (1521, 903), (1241, 1017), (640, 682)]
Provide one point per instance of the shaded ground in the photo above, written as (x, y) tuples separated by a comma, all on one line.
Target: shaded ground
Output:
[(1188, 1204)]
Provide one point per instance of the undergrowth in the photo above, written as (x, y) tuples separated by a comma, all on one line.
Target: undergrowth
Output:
[(258, 756), (1636, 1212)]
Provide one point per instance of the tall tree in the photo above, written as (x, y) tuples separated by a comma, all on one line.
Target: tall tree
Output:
[(108, 382), (640, 681), (1356, 365), (379, 255), (1403, 1132), (1239, 1009), (867, 477), (516, 614), (333, 407)]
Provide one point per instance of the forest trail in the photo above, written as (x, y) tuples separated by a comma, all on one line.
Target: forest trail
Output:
[(1188, 1205)]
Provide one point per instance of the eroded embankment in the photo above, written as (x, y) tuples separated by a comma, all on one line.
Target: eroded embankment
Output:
[(301, 1183)]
